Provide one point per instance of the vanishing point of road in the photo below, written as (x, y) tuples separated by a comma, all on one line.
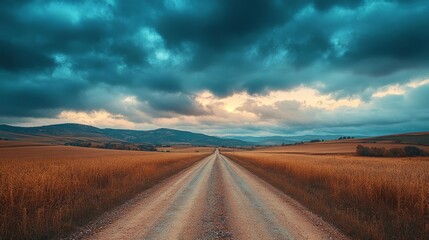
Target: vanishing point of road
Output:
[(215, 199)]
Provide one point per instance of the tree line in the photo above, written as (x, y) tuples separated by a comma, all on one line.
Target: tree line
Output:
[(407, 151)]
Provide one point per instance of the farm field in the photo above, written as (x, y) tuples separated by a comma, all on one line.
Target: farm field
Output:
[(48, 191), (365, 197)]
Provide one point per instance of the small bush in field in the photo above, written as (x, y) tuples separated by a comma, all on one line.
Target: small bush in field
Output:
[(413, 151), (379, 152), (362, 151), (397, 152)]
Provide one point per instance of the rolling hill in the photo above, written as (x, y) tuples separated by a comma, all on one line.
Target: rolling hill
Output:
[(70, 132)]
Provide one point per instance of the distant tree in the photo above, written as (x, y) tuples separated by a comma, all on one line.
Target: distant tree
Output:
[(397, 152), (378, 152), (362, 151), (412, 151)]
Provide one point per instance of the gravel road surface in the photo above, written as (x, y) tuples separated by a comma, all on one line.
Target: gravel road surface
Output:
[(214, 199)]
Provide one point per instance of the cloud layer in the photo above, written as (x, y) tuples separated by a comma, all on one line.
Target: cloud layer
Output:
[(217, 66)]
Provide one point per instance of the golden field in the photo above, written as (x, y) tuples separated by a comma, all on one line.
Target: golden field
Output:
[(366, 197), (47, 191)]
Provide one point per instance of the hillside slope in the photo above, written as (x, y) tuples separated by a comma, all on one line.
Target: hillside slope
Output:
[(69, 132)]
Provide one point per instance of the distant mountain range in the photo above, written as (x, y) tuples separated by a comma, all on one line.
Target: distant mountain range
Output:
[(69, 132)]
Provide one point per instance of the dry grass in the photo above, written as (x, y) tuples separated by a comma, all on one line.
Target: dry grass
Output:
[(46, 191), (367, 198)]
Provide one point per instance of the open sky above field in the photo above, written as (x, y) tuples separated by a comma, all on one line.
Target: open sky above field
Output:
[(219, 66)]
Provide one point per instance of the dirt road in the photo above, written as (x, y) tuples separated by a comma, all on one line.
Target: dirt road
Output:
[(215, 198)]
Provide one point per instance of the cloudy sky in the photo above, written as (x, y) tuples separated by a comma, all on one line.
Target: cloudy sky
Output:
[(243, 67)]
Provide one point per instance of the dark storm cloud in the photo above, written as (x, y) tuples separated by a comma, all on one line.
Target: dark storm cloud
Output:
[(16, 57), (131, 54), (55, 55), (225, 24), (39, 99), (327, 4), (175, 103), (394, 44)]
